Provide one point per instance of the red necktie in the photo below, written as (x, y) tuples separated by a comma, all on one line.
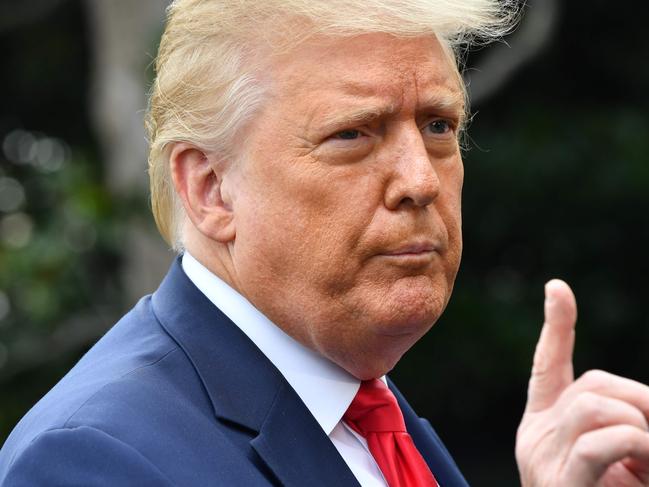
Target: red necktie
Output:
[(375, 415)]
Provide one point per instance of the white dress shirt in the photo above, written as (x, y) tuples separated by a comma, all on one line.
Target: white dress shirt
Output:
[(326, 389)]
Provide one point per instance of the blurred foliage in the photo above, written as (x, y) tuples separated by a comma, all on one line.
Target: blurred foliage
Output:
[(59, 247), (557, 185), (60, 231), (64, 228)]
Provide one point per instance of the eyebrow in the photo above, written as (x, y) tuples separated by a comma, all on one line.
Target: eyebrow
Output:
[(444, 102), (360, 116), (445, 99)]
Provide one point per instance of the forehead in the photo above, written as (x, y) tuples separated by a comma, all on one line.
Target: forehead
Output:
[(400, 70)]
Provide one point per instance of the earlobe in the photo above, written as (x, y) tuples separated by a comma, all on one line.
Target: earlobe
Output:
[(198, 180)]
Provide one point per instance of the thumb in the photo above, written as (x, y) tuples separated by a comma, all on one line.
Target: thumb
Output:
[(552, 370)]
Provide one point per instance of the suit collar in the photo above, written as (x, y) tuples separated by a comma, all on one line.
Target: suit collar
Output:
[(245, 388), (225, 360), (284, 444), (325, 388)]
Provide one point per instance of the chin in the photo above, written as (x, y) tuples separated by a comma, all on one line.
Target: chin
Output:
[(376, 345), (411, 308), (375, 363), (388, 322), (399, 323)]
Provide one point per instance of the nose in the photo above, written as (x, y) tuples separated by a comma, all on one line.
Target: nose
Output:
[(413, 180)]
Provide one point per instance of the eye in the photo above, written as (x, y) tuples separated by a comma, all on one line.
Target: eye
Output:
[(350, 134), (439, 127)]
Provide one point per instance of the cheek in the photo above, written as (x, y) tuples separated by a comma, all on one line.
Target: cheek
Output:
[(453, 219), (306, 223), (451, 208)]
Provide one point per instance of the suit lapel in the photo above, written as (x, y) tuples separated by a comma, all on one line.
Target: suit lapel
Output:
[(430, 446), (246, 389), (296, 449)]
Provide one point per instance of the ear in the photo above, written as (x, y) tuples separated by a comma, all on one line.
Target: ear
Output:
[(198, 181)]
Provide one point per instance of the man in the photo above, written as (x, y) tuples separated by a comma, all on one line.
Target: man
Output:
[(305, 159)]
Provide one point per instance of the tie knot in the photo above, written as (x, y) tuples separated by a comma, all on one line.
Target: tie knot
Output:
[(374, 410)]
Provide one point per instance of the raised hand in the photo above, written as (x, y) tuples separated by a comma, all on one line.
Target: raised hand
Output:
[(592, 431)]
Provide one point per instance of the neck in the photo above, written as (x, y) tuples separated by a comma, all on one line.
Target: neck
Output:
[(216, 257)]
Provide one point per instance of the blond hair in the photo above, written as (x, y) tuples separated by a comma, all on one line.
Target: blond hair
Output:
[(207, 84)]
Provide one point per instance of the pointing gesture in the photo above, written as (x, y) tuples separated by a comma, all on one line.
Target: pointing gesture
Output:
[(592, 431)]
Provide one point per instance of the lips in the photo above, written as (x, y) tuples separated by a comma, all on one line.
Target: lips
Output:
[(412, 249)]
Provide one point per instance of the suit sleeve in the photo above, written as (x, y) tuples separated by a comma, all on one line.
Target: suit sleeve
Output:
[(81, 456)]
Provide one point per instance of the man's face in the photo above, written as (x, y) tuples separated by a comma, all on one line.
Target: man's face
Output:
[(347, 205)]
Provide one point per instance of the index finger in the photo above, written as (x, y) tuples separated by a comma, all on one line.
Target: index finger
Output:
[(552, 371)]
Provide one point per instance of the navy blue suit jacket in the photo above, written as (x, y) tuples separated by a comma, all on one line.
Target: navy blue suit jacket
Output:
[(176, 394)]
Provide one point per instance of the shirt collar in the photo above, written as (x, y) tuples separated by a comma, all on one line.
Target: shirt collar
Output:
[(326, 389)]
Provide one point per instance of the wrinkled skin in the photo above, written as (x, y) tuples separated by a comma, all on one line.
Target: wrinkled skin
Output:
[(346, 203), (580, 433), (341, 223)]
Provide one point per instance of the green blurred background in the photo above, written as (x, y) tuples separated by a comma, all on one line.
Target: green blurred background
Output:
[(557, 185)]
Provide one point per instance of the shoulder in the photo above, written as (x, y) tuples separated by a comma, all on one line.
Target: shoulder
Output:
[(81, 456), (95, 412), (162, 387)]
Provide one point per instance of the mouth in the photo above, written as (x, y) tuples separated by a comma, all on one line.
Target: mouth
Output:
[(411, 255), (411, 249)]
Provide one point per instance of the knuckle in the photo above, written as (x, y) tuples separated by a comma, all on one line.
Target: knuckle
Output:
[(588, 404), (595, 379), (589, 400), (642, 420), (632, 439), (638, 420), (584, 451), (541, 363), (598, 411)]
